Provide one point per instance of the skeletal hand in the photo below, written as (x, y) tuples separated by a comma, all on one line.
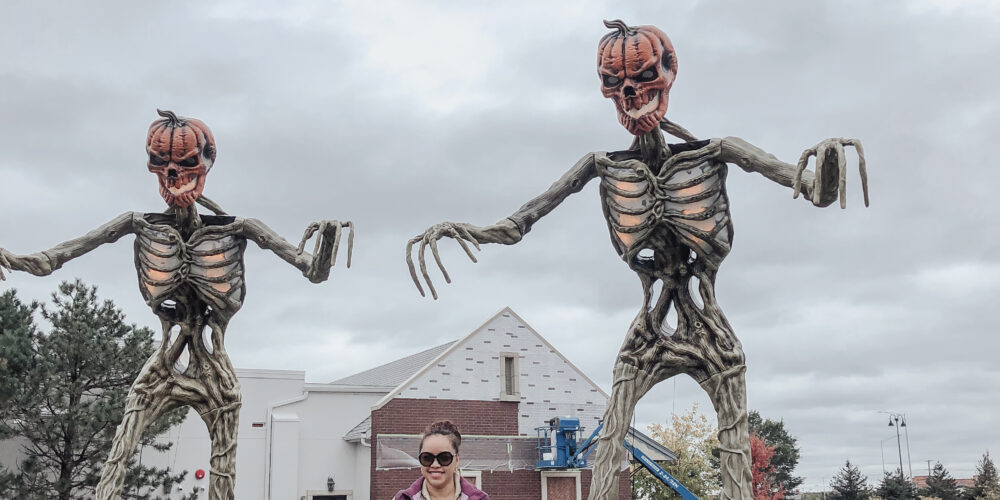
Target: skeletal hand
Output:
[(461, 232), (327, 229), (4, 263), (831, 166)]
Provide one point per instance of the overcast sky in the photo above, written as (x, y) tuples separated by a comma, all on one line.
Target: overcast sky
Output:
[(400, 115)]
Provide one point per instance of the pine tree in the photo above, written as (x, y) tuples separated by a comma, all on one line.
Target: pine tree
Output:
[(896, 487), (849, 484), (68, 402), (786, 450), (16, 331), (941, 485), (987, 484)]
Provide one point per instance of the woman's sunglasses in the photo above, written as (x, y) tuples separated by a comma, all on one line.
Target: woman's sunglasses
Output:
[(443, 459)]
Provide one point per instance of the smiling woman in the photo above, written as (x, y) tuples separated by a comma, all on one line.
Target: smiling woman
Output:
[(439, 468)]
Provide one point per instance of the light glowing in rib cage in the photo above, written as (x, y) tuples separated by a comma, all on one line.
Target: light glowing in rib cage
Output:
[(685, 198), (210, 263)]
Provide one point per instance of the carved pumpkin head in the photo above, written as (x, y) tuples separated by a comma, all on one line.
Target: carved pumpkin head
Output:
[(181, 152), (637, 66)]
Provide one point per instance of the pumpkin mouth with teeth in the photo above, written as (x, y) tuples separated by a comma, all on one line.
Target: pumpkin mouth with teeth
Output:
[(637, 66), (181, 152)]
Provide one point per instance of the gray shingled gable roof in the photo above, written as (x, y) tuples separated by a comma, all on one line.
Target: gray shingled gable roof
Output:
[(390, 375)]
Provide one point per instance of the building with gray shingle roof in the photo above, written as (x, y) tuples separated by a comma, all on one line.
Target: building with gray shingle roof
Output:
[(391, 374), (295, 436)]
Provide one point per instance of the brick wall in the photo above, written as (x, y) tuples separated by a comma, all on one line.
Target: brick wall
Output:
[(411, 416), (496, 418), (517, 485)]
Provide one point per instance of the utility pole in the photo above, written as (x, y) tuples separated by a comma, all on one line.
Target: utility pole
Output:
[(928, 468), (906, 432)]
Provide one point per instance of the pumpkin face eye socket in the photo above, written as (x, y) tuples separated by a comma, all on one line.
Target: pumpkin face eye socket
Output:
[(611, 81), (646, 76), (156, 161), (190, 162)]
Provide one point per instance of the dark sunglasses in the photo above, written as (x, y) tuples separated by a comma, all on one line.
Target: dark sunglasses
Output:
[(443, 459)]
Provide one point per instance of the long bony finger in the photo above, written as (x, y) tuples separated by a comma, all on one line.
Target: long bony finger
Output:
[(461, 234), (305, 237), (321, 228), (800, 167), (821, 153), (409, 263), (350, 241), (437, 258), (842, 173), (423, 267), (338, 230), (862, 169)]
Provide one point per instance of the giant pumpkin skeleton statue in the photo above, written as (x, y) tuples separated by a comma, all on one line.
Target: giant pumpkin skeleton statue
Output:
[(190, 270), (668, 214)]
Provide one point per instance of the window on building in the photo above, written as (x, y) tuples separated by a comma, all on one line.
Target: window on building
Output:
[(474, 476), (509, 390)]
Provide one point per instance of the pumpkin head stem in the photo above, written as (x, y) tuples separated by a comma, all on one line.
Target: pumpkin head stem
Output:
[(623, 29), (170, 115)]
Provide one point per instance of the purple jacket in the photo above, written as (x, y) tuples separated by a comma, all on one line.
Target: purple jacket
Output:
[(467, 488)]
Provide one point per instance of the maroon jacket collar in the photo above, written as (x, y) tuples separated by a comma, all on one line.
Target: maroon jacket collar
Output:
[(467, 488)]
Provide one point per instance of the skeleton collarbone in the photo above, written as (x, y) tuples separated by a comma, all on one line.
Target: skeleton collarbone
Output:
[(209, 262), (683, 199)]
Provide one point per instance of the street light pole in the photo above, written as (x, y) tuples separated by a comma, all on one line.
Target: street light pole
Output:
[(900, 421)]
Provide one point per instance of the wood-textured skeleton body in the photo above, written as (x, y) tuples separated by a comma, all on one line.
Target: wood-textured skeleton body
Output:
[(191, 273), (194, 285), (668, 216)]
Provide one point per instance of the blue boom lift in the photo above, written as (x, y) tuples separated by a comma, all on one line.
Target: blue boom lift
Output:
[(558, 448)]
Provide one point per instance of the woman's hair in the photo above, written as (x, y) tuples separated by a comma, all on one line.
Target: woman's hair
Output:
[(443, 428)]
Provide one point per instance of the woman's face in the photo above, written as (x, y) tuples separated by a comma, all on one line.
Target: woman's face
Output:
[(439, 476)]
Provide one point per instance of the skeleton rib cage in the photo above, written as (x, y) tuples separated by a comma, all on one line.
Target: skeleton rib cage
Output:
[(210, 262), (685, 196)]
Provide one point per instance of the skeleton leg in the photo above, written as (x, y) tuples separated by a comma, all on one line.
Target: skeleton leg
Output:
[(149, 396), (221, 413), (728, 392), (630, 384), (208, 384), (704, 347)]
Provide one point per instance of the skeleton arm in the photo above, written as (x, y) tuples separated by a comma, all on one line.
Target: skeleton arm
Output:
[(315, 266), (822, 187), (507, 231), (45, 262)]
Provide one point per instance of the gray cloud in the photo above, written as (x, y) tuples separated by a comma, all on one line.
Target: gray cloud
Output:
[(397, 116)]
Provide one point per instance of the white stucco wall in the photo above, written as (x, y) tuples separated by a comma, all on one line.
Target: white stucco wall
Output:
[(326, 415), (192, 447), (549, 385)]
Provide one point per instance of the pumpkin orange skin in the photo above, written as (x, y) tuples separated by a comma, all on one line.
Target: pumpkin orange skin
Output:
[(181, 152), (637, 66)]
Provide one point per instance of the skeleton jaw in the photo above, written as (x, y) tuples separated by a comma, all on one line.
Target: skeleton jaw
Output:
[(177, 191), (639, 115), (646, 108)]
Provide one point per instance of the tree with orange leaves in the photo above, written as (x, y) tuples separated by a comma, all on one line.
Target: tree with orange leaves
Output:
[(764, 486)]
